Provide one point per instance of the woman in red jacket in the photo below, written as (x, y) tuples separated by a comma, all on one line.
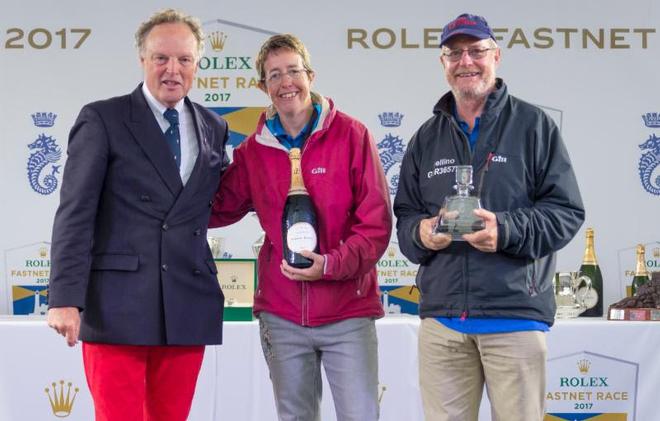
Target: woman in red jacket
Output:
[(324, 313)]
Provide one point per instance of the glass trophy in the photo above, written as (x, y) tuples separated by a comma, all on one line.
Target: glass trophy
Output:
[(456, 217)]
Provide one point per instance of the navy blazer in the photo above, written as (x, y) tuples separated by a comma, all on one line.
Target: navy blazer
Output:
[(129, 239)]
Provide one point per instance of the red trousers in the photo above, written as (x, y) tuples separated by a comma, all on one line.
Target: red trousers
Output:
[(141, 383)]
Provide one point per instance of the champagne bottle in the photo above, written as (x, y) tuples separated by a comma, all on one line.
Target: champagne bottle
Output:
[(641, 274), (299, 227), (590, 268)]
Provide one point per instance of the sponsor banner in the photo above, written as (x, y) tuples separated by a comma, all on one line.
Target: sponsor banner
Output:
[(593, 38), (381, 68), (589, 386), (396, 277), (27, 272), (227, 80)]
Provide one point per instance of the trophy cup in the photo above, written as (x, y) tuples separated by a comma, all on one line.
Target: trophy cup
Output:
[(456, 217), (572, 294), (256, 246), (217, 245)]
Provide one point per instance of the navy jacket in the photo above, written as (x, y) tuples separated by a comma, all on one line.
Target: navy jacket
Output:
[(529, 185), (129, 239)]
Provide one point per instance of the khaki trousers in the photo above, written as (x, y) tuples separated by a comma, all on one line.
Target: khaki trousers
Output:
[(453, 368)]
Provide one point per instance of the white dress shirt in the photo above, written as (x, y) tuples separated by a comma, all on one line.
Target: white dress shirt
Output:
[(189, 146)]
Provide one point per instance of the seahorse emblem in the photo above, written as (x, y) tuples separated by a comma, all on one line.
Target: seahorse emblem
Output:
[(649, 165), (391, 152), (46, 152)]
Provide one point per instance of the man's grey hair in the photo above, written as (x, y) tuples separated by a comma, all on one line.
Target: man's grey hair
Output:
[(170, 16)]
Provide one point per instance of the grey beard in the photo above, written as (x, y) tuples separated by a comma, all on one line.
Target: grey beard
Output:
[(470, 95)]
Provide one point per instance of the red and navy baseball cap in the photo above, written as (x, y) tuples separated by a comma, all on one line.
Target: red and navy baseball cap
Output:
[(466, 24)]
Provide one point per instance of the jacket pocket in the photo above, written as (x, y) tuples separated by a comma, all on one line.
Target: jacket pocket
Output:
[(122, 262), (419, 277), (360, 283), (530, 278)]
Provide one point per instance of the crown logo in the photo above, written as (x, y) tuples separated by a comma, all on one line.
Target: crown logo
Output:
[(44, 119), (390, 119), (43, 252), (60, 404), (584, 366), (391, 252), (217, 40), (651, 119)]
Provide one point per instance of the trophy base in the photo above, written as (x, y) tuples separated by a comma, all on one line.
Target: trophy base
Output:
[(568, 312), (456, 217), (457, 229)]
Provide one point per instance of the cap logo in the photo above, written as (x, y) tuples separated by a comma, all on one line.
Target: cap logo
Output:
[(461, 22)]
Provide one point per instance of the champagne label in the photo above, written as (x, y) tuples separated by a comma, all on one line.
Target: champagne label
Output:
[(301, 236)]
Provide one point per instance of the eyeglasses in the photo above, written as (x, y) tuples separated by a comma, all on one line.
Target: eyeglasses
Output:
[(474, 53), (161, 60), (276, 77)]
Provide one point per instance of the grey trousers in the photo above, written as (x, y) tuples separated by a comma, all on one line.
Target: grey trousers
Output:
[(348, 351)]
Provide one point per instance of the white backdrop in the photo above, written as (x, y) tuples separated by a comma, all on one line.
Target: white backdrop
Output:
[(596, 92)]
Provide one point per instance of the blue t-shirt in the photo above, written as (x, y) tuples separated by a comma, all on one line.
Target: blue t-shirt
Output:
[(275, 126), (475, 326), (472, 136)]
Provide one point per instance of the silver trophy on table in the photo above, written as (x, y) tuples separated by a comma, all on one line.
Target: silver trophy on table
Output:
[(456, 217), (573, 293), (256, 246)]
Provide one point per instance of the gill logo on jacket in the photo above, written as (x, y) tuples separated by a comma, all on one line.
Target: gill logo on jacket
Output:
[(499, 159)]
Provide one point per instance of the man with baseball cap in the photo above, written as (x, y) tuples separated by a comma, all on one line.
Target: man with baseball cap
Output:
[(486, 297)]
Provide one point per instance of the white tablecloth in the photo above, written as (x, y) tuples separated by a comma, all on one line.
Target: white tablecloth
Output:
[(619, 360)]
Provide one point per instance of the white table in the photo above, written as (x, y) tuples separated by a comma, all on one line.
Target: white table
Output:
[(234, 384)]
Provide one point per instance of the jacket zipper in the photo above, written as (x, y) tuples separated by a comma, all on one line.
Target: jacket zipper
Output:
[(466, 149), (304, 304), (304, 308), (464, 138)]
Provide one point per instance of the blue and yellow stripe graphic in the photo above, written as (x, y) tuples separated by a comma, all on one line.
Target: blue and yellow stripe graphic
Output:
[(242, 121), (585, 417)]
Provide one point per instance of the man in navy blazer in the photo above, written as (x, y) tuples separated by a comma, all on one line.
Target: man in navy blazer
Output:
[(132, 274)]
